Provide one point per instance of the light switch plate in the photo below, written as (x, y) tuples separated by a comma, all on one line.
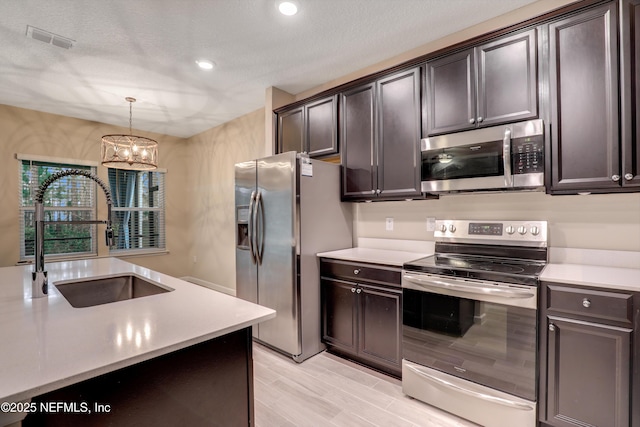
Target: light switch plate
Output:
[(431, 224)]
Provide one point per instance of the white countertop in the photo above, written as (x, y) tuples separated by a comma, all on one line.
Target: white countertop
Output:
[(374, 256), (593, 275), (48, 344)]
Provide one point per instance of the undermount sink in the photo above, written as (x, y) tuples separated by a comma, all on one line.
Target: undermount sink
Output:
[(91, 291)]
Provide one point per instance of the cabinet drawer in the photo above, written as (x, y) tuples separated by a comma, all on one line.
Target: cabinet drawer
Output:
[(612, 306), (360, 272)]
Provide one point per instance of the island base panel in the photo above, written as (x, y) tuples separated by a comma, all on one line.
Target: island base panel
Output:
[(207, 384)]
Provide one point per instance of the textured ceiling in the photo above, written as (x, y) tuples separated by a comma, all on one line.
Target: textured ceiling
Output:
[(147, 49)]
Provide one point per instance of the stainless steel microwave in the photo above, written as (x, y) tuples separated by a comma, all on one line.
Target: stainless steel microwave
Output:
[(507, 157)]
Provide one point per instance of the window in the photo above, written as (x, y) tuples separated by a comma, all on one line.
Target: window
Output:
[(138, 211), (69, 198)]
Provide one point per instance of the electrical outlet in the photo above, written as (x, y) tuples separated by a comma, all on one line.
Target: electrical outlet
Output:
[(389, 224), (431, 224)]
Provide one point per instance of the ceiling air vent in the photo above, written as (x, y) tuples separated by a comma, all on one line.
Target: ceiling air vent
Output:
[(49, 38)]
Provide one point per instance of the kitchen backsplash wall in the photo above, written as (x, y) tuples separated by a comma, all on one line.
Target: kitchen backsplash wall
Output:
[(608, 221), (42, 134), (213, 155)]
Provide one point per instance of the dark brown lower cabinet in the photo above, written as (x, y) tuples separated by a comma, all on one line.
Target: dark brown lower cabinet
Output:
[(362, 320), (589, 375), (207, 384)]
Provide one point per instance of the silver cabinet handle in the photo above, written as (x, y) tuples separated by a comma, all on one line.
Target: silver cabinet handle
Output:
[(480, 119), (628, 176), (353, 290), (373, 191), (472, 120), (358, 290), (552, 327), (615, 178), (378, 191), (586, 303), (356, 271)]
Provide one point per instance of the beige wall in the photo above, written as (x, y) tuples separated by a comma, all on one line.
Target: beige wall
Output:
[(607, 221), (43, 134), (213, 155)]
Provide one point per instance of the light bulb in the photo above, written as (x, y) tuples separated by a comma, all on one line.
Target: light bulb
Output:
[(288, 8)]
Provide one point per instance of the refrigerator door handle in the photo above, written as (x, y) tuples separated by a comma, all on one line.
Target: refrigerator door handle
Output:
[(251, 227), (259, 228)]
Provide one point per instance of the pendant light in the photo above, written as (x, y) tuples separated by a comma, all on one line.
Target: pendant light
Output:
[(129, 151)]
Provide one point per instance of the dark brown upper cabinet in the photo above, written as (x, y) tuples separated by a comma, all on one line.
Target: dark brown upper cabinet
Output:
[(630, 77), (310, 128), (486, 85), (291, 130), (584, 114), (380, 130)]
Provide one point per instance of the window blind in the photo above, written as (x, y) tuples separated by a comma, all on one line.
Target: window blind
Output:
[(138, 211), (67, 199)]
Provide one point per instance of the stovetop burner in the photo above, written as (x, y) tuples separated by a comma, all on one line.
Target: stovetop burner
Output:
[(481, 268), (511, 252)]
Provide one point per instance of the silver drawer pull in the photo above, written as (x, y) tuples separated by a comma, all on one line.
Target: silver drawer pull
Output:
[(359, 290), (552, 327), (356, 271), (586, 303), (353, 290)]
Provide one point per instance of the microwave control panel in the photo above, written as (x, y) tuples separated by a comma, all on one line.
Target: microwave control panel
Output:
[(527, 155)]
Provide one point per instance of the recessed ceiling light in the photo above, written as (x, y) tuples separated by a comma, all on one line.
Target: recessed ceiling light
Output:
[(288, 8), (205, 64)]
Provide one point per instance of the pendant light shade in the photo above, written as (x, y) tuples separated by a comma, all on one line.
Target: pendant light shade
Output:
[(129, 151)]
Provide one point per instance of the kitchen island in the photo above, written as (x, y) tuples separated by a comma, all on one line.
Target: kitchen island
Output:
[(136, 357)]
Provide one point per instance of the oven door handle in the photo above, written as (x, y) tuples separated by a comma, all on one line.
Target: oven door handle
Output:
[(430, 282), (483, 396)]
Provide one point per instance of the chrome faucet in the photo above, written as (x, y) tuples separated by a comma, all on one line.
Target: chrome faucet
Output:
[(39, 281)]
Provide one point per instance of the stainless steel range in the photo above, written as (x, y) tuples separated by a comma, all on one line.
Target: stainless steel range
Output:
[(470, 321)]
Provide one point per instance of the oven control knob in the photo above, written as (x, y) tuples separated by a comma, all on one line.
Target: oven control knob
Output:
[(535, 230), (522, 230), (510, 229), (443, 227), (452, 228)]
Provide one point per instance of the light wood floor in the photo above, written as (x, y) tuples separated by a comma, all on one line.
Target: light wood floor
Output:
[(326, 390)]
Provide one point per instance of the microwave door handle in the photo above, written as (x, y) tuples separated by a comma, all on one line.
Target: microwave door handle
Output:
[(506, 157)]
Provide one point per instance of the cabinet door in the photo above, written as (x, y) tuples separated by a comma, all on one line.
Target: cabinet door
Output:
[(507, 79), (399, 130), (339, 307), (290, 131), (588, 374), (321, 127), (584, 101), (380, 325), (630, 76), (357, 139), (451, 93)]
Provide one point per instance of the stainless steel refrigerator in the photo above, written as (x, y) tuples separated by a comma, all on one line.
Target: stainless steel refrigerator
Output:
[(287, 210)]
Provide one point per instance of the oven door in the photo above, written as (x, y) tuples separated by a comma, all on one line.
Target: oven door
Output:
[(483, 332)]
